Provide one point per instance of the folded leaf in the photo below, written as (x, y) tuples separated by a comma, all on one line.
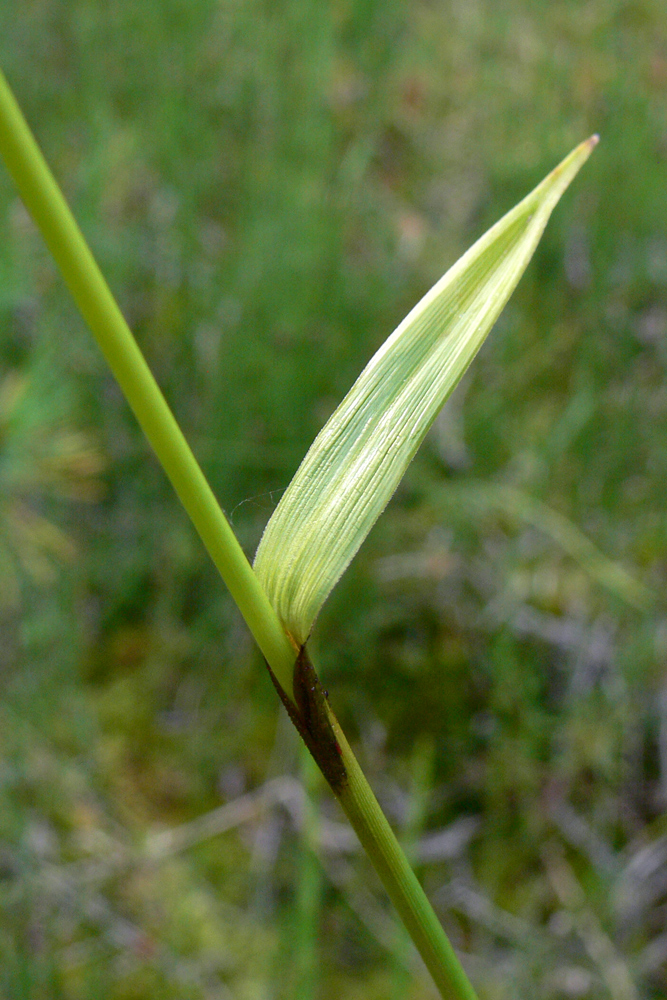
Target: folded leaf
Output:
[(358, 459)]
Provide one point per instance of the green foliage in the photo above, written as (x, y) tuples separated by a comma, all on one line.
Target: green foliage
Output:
[(359, 457), (269, 189)]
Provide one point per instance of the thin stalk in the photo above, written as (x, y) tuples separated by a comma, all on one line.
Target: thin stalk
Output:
[(403, 888), (46, 204), (64, 239)]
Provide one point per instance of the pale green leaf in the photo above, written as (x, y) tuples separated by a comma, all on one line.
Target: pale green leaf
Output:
[(358, 459)]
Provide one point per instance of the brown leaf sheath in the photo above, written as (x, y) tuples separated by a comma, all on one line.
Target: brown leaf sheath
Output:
[(312, 717)]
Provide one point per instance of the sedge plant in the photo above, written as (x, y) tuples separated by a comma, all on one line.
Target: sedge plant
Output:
[(343, 484)]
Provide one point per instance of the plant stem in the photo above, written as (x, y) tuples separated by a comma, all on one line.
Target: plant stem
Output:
[(379, 841), (64, 239)]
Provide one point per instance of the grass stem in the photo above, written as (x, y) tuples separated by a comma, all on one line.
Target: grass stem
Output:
[(46, 204), (403, 888), (64, 239)]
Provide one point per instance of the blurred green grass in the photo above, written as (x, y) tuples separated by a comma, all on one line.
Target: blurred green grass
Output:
[(269, 188)]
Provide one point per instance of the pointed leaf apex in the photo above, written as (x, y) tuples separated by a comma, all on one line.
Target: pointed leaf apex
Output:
[(358, 459)]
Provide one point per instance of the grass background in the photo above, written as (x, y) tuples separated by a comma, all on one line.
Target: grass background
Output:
[(269, 187)]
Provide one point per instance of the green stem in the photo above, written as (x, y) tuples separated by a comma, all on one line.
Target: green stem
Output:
[(64, 239), (403, 888), (91, 293)]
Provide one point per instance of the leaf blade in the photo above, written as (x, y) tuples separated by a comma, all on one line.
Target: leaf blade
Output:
[(358, 459)]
